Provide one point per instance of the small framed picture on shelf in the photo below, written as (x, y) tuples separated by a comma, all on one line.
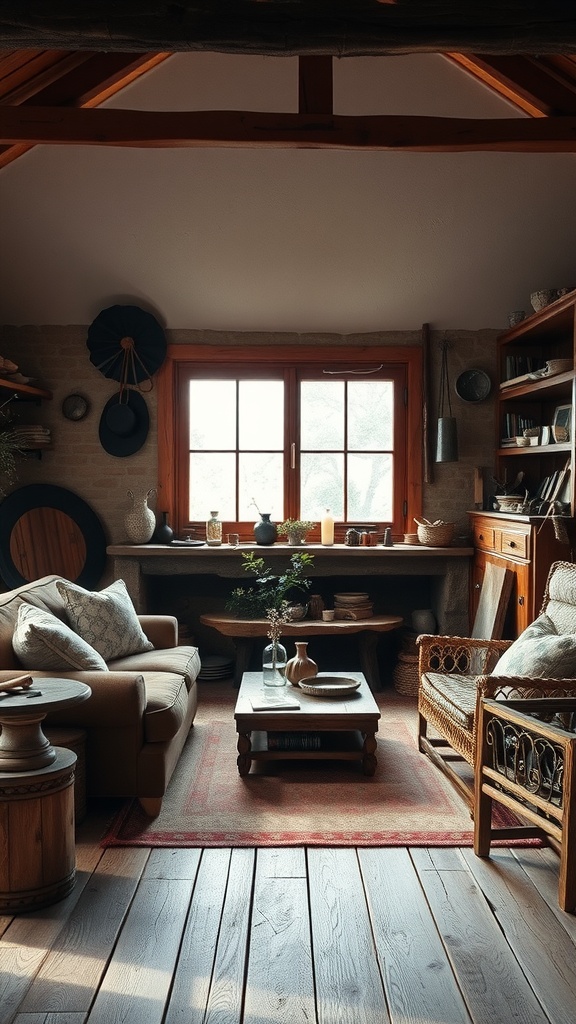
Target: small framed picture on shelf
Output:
[(562, 423)]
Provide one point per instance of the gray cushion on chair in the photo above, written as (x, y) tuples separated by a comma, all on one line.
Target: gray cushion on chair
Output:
[(453, 695), (540, 652)]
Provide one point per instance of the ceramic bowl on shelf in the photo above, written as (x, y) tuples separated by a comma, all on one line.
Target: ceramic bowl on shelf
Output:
[(508, 502), (523, 442)]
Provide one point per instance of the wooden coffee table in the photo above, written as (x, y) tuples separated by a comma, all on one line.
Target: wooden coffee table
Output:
[(333, 728)]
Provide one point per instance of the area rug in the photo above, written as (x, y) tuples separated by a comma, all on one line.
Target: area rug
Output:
[(408, 802)]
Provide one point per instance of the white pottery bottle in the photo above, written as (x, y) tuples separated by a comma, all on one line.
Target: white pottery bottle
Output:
[(140, 521)]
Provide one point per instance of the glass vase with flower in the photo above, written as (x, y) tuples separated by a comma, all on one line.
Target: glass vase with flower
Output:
[(274, 656)]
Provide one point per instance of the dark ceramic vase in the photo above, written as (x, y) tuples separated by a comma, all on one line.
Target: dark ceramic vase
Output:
[(163, 534), (264, 531)]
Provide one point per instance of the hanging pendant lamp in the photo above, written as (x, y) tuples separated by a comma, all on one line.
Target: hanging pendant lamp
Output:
[(447, 434)]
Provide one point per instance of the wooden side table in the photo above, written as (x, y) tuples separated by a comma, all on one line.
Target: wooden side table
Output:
[(38, 862), (245, 631), (528, 764)]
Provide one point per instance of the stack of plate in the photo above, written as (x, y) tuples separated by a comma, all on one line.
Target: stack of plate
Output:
[(352, 605), (215, 666)]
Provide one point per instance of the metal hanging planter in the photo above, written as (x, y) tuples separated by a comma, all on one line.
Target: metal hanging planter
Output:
[(447, 433)]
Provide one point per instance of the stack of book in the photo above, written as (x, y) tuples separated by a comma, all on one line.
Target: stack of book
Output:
[(294, 741), (31, 436)]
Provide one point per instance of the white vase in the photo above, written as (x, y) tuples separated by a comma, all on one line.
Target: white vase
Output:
[(423, 620), (140, 521)]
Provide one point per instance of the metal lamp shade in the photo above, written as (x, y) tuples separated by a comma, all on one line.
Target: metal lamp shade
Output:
[(447, 440)]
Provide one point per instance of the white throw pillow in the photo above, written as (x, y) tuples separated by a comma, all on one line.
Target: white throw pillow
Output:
[(42, 641), (105, 619), (540, 652)]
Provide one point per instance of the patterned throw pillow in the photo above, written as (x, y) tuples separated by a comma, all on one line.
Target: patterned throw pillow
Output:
[(105, 619), (42, 641), (540, 652)]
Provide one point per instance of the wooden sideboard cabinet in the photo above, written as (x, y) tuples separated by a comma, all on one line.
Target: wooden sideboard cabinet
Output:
[(527, 546)]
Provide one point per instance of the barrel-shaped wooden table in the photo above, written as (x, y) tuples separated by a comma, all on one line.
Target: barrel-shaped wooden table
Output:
[(37, 849)]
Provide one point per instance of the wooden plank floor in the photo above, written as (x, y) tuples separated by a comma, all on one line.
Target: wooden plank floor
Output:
[(294, 936)]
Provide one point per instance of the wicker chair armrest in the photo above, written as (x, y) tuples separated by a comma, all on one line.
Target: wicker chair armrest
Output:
[(518, 687), (455, 653)]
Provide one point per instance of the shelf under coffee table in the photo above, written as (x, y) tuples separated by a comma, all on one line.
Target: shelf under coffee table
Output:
[(343, 728)]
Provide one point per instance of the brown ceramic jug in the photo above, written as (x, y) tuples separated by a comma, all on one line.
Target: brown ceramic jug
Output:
[(300, 666)]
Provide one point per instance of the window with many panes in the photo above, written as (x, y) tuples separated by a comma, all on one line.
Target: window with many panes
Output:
[(290, 432)]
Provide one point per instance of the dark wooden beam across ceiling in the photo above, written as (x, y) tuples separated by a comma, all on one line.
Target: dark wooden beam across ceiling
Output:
[(251, 129), (289, 27)]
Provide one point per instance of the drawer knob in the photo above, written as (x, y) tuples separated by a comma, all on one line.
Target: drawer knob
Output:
[(520, 600), (512, 543), (480, 536), (476, 586)]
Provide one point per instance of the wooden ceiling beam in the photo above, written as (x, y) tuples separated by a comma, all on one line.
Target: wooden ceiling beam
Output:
[(292, 27), (315, 85), (255, 130), (80, 79), (533, 87)]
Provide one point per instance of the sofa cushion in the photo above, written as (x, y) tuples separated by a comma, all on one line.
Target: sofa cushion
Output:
[(42, 594), (105, 619), (166, 706), (42, 641), (540, 652), (183, 661)]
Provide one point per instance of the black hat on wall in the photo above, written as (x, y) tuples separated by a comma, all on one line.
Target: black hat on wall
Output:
[(124, 423)]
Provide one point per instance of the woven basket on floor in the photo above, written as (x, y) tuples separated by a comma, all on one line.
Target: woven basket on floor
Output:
[(405, 674)]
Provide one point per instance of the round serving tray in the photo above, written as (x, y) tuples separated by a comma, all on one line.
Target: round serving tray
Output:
[(326, 685)]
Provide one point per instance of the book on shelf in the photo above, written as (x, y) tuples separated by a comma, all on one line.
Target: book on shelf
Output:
[(294, 741)]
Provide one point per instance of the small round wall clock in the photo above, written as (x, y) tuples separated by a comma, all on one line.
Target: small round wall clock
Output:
[(74, 407), (473, 385)]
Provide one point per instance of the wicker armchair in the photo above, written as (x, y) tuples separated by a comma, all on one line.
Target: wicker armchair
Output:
[(455, 673)]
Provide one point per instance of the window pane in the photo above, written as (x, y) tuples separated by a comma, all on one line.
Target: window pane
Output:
[(370, 488), (212, 485), (212, 414), (322, 414), (261, 414), (261, 481), (370, 415), (321, 485)]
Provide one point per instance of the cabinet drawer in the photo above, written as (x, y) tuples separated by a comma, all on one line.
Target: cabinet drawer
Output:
[(513, 543), (484, 537)]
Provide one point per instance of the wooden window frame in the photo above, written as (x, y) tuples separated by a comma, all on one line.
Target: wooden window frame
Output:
[(172, 416)]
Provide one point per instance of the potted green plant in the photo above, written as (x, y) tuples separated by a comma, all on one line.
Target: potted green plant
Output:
[(271, 590), (295, 530)]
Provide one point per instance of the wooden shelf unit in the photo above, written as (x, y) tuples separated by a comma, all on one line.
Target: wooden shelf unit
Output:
[(528, 544), (548, 334)]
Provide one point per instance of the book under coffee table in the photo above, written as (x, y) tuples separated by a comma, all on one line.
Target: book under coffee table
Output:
[(331, 728)]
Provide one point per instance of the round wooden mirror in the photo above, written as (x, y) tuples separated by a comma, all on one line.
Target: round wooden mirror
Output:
[(46, 529)]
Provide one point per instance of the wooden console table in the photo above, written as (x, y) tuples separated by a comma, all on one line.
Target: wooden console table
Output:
[(245, 631), (446, 568)]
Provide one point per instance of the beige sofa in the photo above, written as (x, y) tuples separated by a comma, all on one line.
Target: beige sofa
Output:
[(140, 711)]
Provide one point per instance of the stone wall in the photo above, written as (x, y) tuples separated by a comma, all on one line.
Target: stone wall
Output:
[(58, 358)]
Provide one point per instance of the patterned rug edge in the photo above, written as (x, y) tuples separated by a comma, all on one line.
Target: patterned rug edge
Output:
[(209, 840)]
